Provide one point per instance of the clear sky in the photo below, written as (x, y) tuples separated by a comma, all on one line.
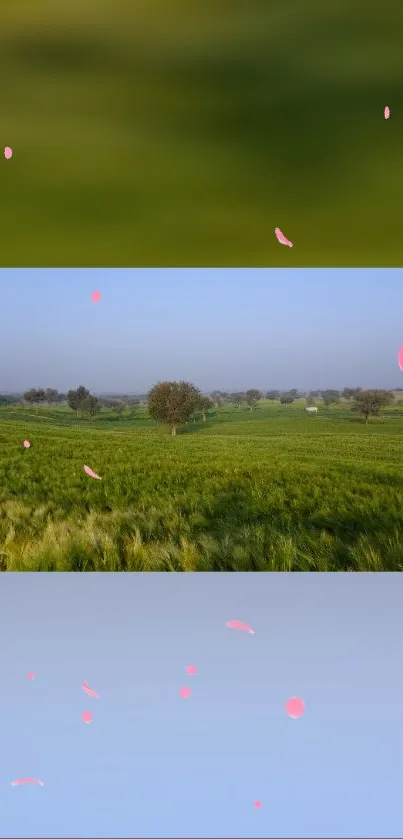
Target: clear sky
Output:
[(220, 329), (154, 765)]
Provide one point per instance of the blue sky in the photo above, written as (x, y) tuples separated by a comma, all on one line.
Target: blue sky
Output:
[(226, 329), (152, 764)]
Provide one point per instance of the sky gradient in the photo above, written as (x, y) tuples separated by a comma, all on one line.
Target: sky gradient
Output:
[(227, 329), (154, 765)]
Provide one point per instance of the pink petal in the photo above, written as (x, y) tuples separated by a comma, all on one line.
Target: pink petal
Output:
[(91, 473), (86, 688), (282, 239), (386, 112), (26, 781), (295, 707), (185, 693), (8, 152), (240, 625)]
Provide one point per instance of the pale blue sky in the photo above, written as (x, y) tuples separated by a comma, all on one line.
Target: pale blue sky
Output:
[(226, 329), (154, 765)]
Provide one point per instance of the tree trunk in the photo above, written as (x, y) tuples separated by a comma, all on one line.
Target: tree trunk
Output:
[(366, 418), (173, 429), (204, 417)]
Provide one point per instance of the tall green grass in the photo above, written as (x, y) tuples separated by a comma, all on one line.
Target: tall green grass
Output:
[(268, 490)]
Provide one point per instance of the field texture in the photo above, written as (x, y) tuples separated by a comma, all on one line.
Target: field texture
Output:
[(270, 490), (156, 133)]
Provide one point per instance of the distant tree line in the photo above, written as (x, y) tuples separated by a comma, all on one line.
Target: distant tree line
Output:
[(175, 403)]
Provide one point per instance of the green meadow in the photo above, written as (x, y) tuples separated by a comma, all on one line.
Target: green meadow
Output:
[(267, 490), (173, 133)]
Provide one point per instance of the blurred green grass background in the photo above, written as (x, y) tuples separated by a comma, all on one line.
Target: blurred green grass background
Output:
[(177, 133)]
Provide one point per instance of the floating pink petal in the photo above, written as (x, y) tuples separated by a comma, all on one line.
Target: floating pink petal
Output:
[(386, 112), (86, 688), (31, 675), (185, 693), (26, 781), (400, 357), (239, 625), (96, 296), (191, 670), (257, 804), (282, 239), (8, 152), (295, 707), (91, 473), (86, 717), (27, 444)]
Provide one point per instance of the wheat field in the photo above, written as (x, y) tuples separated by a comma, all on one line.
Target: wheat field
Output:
[(267, 490)]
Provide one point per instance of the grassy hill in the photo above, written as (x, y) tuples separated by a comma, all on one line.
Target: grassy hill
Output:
[(273, 489)]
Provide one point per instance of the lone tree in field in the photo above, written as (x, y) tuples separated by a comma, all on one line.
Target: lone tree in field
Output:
[(217, 397), (252, 397), (173, 403), (369, 402), (237, 399), (330, 397), (350, 392), (118, 408), (204, 406), (51, 395), (286, 398), (90, 406), (35, 396), (75, 398)]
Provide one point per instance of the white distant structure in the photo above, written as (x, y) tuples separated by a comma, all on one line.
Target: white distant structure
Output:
[(312, 410)]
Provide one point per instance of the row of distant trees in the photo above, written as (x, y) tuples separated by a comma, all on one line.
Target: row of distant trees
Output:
[(174, 403), (80, 400), (251, 397)]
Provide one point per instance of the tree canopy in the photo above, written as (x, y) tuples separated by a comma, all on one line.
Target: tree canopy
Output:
[(369, 402), (173, 403), (252, 397)]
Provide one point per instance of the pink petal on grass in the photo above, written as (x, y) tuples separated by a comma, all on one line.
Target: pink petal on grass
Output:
[(282, 239), (191, 670), (86, 717), (8, 152), (185, 693), (295, 707), (91, 473), (386, 112), (27, 444), (96, 296)]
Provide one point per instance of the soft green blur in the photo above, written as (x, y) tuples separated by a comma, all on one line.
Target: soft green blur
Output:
[(181, 133)]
